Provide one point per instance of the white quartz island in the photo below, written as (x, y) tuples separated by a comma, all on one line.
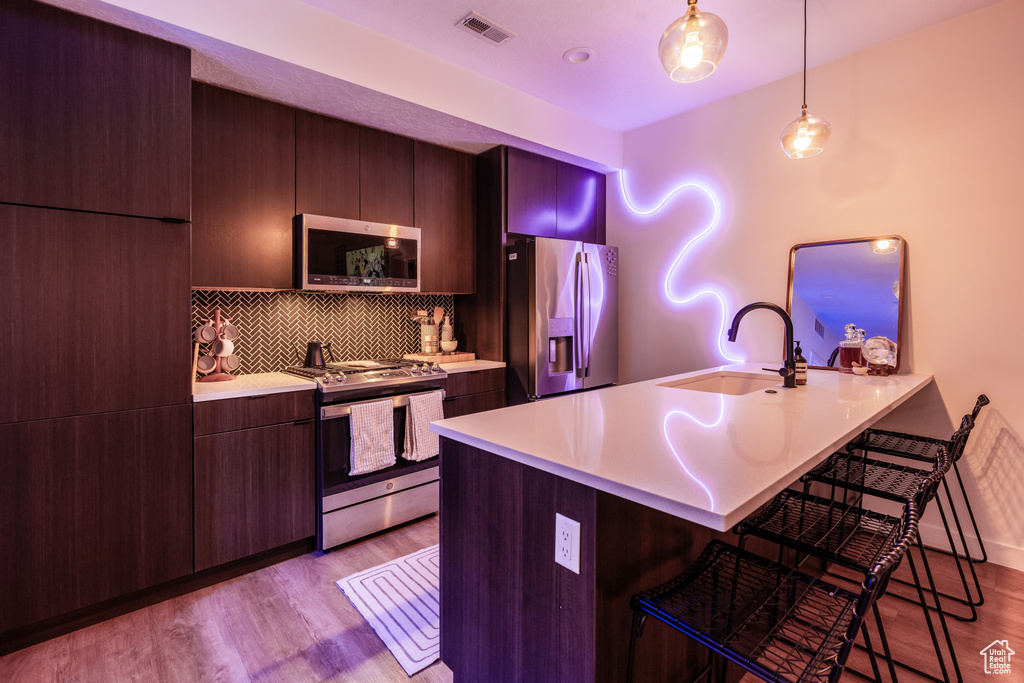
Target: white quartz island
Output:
[(705, 457), (651, 473)]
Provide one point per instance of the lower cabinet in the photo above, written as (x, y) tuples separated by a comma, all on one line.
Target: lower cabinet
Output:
[(254, 487), (92, 507), (474, 392)]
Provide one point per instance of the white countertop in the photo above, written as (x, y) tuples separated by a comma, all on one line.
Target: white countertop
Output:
[(471, 365), (249, 385), (708, 458)]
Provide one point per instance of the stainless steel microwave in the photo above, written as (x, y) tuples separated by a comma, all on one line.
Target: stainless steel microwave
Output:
[(346, 255)]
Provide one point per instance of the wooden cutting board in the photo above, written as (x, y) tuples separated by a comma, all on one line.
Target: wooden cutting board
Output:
[(457, 357)]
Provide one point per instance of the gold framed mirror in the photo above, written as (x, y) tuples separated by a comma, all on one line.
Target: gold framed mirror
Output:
[(832, 284)]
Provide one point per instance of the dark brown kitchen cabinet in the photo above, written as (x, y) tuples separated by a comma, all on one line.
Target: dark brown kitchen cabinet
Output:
[(93, 116), (474, 392), (96, 310), (91, 508), (446, 214), (385, 177), (243, 190), (326, 166), (579, 204), (254, 486), (530, 194), (549, 198)]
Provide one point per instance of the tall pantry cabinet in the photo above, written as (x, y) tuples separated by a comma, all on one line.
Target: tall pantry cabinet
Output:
[(95, 416)]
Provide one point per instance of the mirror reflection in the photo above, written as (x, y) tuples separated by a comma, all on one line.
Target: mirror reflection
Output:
[(833, 284)]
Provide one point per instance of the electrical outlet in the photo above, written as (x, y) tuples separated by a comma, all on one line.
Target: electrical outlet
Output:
[(567, 543)]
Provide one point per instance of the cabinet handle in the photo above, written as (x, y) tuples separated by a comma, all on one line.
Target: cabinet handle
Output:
[(299, 423), (253, 398)]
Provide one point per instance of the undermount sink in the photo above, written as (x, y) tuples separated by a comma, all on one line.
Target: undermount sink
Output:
[(722, 382)]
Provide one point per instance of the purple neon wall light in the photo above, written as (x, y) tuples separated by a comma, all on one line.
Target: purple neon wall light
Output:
[(684, 299)]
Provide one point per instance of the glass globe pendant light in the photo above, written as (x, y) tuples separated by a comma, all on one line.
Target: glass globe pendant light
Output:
[(693, 45), (807, 135)]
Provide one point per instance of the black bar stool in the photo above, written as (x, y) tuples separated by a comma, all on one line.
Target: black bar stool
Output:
[(884, 480), (847, 535), (774, 621), (924, 449), (890, 481)]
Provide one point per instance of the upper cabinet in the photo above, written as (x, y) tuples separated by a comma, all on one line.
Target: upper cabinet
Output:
[(326, 166), (97, 313), (580, 204), (530, 193), (93, 117), (243, 187), (446, 215), (549, 198), (385, 177)]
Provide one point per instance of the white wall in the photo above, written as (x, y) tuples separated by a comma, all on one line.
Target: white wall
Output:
[(927, 142)]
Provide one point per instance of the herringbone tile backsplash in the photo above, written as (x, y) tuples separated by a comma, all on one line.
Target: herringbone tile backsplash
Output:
[(274, 326)]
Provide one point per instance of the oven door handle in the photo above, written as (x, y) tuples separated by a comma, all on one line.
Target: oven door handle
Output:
[(343, 409)]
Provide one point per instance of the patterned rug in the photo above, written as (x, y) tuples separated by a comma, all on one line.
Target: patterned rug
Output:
[(400, 600)]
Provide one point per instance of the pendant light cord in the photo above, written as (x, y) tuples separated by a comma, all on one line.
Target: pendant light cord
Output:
[(805, 55)]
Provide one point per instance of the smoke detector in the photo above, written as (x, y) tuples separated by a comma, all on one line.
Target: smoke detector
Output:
[(485, 29)]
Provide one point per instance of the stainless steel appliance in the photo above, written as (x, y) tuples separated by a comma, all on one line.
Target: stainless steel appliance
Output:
[(563, 317), (341, 254), (353, 506)]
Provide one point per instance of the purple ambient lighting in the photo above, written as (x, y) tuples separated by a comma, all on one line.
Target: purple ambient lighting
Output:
[(668, 440), (682, 299)]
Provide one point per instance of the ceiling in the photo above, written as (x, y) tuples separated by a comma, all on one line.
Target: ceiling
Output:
[(438, 83), (624, 86)]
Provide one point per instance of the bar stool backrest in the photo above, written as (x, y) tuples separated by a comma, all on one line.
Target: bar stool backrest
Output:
[(929, 486), (958, 441), (982, 402), (875, 582)]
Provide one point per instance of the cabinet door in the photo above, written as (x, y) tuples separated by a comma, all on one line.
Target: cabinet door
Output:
[(243, 190), (211, 417), (385, 177), (93, 116), (92, 508), (446, 213), (530, 194), (254, 491), (96, 312), (326, 166), (580, 204), (474, 403)]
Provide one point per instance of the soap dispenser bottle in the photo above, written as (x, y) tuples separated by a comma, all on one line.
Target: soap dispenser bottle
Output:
[(801, 366), (850, 349)]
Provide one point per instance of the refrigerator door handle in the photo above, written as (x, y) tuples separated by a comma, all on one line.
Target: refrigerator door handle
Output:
[(588, 315), (577, 326)]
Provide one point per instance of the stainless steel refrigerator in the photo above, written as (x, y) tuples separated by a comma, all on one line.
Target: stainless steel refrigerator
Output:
[(562, 299)]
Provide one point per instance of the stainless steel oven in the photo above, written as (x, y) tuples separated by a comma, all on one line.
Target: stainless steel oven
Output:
[(353, 506)]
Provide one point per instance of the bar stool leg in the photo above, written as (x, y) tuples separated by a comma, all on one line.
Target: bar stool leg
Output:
[(974, 522), (636, 630), (938, 609), (967, 552)]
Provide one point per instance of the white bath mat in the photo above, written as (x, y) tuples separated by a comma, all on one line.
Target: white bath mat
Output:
[(400, 600)]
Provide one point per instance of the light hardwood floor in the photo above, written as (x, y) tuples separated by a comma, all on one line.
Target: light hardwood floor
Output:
[(290, 623), (282, 624)]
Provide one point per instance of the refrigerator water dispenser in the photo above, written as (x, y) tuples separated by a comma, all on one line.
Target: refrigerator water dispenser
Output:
[(559, 345)]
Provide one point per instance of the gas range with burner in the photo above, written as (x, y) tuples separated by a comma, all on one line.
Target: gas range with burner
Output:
[(355, 375), (353, 506)]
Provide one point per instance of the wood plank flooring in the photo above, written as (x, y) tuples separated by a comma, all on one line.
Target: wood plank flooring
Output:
[(290, 623), (282, 624)]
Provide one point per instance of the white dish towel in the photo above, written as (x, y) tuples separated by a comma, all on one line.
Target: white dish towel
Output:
[(373, 436), (420, 442)]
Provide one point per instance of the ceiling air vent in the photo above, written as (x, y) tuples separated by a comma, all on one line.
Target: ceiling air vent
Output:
[(485, 29)]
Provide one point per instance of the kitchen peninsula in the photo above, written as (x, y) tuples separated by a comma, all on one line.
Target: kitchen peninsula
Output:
[(652, 472)]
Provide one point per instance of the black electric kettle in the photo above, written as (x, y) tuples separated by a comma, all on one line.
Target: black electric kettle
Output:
[(315, 354)]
